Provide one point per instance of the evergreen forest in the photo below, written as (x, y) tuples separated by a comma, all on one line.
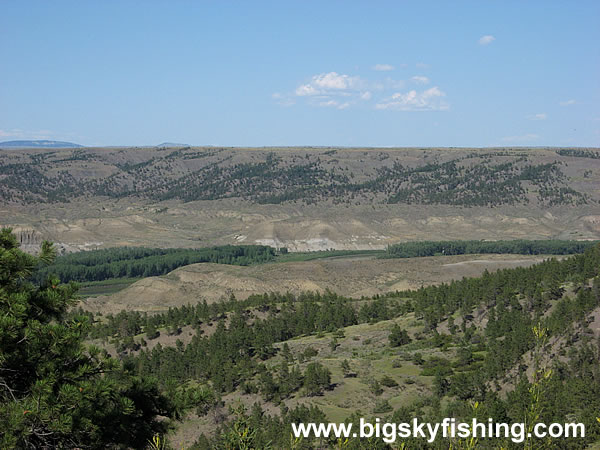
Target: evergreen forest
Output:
[(515, 345)]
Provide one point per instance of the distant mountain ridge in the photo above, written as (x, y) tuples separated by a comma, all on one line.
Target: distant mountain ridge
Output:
[(39, 144), (497, 177), (172, 144)]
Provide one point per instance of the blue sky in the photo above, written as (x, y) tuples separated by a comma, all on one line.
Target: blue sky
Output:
[(341, 73)]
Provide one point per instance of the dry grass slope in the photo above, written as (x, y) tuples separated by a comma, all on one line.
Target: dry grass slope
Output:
[(353, 277)]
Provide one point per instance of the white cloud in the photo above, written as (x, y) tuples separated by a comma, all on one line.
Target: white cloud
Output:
[(429, 100), (421, 65), (338, 90), (420, 79), (523, 138), (306, 89), (540, 116), (333, 80), (567, 102), (383, 67), (487, 39), (327, 84)]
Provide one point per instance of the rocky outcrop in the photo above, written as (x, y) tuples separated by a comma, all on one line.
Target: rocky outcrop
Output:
[(29, 239)]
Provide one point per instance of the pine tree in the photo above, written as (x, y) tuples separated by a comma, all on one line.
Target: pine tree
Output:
[(54, 391), (286, 353), (398, 336), (316, 379), (346, 368), (151, 331)]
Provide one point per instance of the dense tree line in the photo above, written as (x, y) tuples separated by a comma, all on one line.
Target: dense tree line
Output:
[(517, 246), (126, 262), (133, 262)]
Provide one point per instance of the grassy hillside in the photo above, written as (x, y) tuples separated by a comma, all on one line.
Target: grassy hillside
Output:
[(426, 353), (463, 177)]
